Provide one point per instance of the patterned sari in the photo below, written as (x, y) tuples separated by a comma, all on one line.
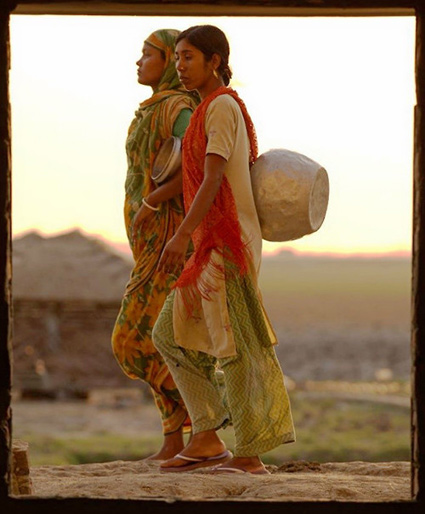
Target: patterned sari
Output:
[(147, 289)]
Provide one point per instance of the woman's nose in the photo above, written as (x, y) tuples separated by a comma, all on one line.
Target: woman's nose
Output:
[(139, 62)]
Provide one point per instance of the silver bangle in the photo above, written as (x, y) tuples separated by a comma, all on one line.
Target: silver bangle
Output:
[(144, 202)]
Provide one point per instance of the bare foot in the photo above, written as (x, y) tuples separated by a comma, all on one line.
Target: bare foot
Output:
[(203, 444), (244, 464), (173, 444)]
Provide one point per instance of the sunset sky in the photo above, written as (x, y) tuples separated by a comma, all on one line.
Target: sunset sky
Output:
[(340, 90)]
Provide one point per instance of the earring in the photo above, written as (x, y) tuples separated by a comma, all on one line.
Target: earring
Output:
[(215, 74)]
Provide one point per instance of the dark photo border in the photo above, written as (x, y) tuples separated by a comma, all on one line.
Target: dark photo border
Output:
[(30, 504)]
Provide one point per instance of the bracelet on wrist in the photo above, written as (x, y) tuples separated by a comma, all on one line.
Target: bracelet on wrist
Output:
[(144, 202)]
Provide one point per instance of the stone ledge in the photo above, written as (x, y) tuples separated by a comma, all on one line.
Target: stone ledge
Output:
[(21, 480)]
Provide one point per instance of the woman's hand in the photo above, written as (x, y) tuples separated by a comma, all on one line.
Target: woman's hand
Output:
[(138, 218), (174, 254)]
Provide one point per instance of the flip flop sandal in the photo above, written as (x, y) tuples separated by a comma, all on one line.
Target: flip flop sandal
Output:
[(228, 469), (197, 462)]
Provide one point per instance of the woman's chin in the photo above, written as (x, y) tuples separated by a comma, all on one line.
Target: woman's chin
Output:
[(187, 85), (144, 82)]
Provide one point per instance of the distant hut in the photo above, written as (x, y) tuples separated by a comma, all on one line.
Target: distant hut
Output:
[(67, 291)]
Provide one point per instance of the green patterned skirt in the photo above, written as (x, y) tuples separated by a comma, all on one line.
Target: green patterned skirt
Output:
[(255, 396)]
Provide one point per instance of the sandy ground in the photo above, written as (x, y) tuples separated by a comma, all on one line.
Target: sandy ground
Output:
[(297, 481)]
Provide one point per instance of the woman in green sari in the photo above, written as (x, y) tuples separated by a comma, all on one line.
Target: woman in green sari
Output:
[(152, 215)]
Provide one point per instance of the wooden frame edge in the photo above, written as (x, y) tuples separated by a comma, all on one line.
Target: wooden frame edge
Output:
[(33, 505), (199, 9), (5, 259), (418, 272)]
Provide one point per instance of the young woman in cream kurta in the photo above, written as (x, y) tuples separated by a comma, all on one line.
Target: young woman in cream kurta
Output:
[(214, 316)]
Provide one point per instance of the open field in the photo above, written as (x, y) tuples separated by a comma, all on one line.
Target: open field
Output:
[(329, 429), (303, 291), (340, 319)]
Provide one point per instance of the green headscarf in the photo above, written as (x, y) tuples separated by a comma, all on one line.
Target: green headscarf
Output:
[(153, 124), (165, 41)]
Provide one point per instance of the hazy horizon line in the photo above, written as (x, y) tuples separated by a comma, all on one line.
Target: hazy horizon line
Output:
[(123, 247)]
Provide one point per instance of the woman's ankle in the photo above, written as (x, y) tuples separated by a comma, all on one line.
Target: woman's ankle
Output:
[(205, 444), (173, 443)]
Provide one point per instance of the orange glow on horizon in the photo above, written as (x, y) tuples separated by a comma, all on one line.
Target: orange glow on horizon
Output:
[(344, 254), (122, 246)]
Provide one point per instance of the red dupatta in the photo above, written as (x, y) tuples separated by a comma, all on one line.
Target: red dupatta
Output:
[(220, 229)]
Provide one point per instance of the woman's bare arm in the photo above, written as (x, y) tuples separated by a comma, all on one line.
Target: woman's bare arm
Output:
[(174, 253), (166, 191), (170, 189)]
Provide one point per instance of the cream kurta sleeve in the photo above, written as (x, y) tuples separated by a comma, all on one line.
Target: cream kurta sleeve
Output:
[(221, 126)]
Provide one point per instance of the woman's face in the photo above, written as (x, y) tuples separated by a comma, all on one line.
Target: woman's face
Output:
[(150, 66), (193, 69)]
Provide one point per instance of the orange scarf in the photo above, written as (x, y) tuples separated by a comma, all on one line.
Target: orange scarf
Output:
[(220, 229)]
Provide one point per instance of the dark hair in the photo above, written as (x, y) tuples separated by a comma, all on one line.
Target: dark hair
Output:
[(210, 40)]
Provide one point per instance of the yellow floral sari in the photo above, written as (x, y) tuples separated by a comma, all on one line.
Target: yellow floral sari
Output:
[(147, 289)]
